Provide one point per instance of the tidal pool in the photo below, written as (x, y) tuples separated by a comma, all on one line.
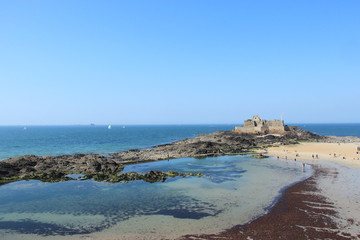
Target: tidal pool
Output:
[(234, 190)]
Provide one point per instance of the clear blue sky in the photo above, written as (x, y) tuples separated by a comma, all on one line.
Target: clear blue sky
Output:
[(178, 62)]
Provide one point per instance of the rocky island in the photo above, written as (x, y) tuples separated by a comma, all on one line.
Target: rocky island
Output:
[(109, 167)]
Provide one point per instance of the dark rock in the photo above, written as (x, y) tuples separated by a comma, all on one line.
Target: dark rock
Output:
[(259, 156)]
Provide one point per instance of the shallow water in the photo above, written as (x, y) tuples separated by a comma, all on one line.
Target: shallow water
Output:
[(234, 190)]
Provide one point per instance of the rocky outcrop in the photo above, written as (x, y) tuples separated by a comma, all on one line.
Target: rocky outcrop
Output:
[(55, 168), (260, 155), (214, 144), (106, 168), (152, 176)]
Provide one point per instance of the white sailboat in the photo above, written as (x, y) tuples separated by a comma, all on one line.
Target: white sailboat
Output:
[(109, 127)]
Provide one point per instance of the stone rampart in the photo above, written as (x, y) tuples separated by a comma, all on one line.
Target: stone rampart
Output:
[(256, 125)]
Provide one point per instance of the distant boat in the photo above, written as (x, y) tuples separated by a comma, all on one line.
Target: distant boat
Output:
[(123, 126), (109, 127), (25, 128)]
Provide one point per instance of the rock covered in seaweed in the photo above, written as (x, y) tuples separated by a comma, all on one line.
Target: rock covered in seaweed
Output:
[(260, 155), (55, 168), (152, 176)]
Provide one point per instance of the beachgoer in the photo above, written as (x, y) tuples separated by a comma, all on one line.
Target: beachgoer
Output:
[(317, 156)]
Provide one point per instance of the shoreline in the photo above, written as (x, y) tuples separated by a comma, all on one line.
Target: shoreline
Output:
[(341, 153), (312, 208), (300, 213)]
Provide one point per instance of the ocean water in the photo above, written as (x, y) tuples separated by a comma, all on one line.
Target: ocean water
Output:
[(57, 140), (337, 129), (234, 189)]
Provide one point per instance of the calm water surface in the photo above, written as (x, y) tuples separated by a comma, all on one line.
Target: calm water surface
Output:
[(234, 189), (57, 140)]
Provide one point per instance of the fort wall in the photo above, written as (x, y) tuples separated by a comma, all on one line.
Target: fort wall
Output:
[(256, 125)]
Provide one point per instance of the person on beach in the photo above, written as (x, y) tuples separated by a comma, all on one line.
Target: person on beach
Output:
[(312, 156), (317, 156), (303, 167)]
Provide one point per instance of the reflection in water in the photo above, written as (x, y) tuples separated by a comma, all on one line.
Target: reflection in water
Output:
[(234, 190)]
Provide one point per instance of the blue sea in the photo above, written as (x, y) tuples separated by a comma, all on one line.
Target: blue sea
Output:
[(56, 140), (234, 189), (332, 129)]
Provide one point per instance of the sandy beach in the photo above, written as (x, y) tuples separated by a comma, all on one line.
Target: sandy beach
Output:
[(342, 153), (341, 188), (325, 206)]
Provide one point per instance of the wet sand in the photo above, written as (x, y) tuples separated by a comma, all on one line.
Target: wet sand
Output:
[(325, 206), (301, 213)]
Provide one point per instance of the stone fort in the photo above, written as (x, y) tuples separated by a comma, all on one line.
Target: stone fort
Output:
[(257, 125)]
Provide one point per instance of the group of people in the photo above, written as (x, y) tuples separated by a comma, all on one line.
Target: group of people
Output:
[(302, 164), (315, 156)]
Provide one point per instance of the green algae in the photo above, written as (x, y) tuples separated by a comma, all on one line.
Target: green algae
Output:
[(110, 177)]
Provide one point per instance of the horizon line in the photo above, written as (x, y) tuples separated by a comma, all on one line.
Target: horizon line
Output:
[(156, 124)]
